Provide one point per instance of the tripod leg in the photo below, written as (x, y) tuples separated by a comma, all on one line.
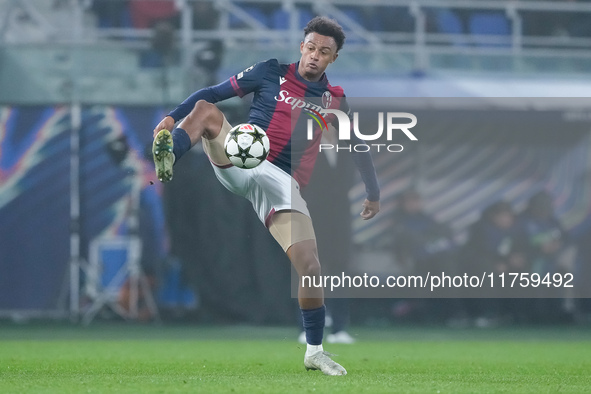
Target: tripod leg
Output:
[(149, 298)]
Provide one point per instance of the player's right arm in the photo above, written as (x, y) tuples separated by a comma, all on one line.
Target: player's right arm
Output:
[(211, 94), (238, 85)]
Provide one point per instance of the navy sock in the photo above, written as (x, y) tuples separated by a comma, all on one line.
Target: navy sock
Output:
[(313, 320), (181, 143)]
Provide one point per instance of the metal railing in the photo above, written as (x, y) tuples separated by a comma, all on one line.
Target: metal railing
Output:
[(247, 38), (257, 30)]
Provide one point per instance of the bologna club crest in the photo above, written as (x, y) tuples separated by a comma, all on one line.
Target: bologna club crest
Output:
[(326, 99)]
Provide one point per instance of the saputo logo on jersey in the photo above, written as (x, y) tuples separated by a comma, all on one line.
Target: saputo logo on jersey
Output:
[(295, 102), (392, 120)]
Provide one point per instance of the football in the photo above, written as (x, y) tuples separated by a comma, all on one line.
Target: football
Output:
[(246, 145)]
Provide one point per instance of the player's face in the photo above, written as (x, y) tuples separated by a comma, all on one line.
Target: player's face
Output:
[(318, 52)]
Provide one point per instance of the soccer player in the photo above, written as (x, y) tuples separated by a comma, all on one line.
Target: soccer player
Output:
[(273, 187)]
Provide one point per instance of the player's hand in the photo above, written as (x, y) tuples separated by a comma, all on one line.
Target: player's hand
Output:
[(166, 123), (370, 209)]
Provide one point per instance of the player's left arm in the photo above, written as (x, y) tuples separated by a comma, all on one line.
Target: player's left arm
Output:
[(364, 163), (370, 209)]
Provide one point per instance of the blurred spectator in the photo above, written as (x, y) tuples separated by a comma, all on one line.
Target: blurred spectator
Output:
[(556, 23), (112, 13), (158, 15), (183, 217), (163, 40), (546, 236), (496, 244), (209, 59), (205, 15), (583, 274), (421, 245), (548, 251), (146, 13), (390, 19), (163, 51)]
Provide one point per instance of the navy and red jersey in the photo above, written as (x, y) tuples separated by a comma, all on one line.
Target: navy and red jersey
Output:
[(275, 107)]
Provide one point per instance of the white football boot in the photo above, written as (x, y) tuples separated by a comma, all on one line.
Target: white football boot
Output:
[(321, 360)]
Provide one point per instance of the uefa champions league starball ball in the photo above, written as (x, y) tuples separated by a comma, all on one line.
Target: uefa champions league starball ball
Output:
[(247, 145)]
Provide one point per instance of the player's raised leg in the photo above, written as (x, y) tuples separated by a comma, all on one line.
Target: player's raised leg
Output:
[(205, 120)]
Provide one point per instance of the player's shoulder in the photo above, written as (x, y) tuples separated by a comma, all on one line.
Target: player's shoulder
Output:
[(335, 90), (271, 63), (258, 70), (270, 66), (280, 67), (273, 69), (262, 65)]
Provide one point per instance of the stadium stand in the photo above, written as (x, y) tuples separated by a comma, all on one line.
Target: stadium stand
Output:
[(489, 24), (526, 35)]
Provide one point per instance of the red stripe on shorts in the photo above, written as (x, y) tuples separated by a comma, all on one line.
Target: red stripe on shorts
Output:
[(269, 217)]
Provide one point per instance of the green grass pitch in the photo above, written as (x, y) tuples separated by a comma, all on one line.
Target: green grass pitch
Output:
[(146, 359)]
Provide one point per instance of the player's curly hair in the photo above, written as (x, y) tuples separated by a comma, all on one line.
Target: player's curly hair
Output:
[(326, 27)]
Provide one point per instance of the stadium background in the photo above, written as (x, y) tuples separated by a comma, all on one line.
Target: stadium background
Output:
[(96, 76)]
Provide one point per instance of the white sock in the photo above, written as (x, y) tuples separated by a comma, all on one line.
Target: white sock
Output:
[(313, 349)]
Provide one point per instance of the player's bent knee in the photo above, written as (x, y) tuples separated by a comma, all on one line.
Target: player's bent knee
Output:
[(201, 106), (304, 258), (205, 110), (208, 116), (310, 267), (200, 112)]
